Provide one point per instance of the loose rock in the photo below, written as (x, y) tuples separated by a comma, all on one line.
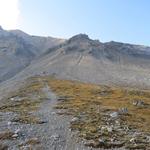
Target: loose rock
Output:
[(114, 114)]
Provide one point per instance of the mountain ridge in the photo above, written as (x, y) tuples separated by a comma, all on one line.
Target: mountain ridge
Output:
[(18, 49), (80, 58)]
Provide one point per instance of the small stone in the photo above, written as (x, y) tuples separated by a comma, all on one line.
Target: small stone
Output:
[(123, 111), (138, 103), (148, 138), (117, 122), (135, 102), (101, 140), (75, 119), (112, 139), (9, 123), (15, 135), (53, 113), (109, 129), (17, 131), (55, 137), (42, 122), (132, 140), (12, 99), (103, 128), (114, 114)]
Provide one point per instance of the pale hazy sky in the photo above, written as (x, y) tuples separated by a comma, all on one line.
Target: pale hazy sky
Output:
[(9, 13), (106, 20)]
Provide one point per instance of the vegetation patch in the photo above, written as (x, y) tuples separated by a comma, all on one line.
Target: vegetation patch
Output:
[(92, 105), (32, 141), (27, 119), (6, 135), (3, 147), (25, 101), (103, 116)]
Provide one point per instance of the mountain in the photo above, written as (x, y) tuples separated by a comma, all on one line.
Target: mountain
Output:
[(18, 49), (93, 109), (40, 44), (81, 58), (78, 58)]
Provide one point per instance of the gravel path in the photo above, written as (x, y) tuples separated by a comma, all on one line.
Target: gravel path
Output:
[(53, 134)]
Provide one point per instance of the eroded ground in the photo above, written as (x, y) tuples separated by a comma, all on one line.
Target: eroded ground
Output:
[(101, 116)]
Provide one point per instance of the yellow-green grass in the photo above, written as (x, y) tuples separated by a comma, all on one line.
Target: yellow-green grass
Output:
[(29, 98), (91, 102)]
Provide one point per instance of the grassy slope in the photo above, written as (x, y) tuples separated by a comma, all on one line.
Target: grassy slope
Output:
[(90, 98), (88, 102), (26, 101)]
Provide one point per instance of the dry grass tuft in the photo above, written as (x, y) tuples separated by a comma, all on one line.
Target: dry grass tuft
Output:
[(6, 135), (27, 119), (3, 147), (32, 141)]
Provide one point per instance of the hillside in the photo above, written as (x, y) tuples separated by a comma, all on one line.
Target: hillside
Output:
[(81, 58), (73, 94), (17, 49), (52, 114)]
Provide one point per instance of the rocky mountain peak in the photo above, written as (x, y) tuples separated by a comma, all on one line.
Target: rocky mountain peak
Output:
[(79, 37)]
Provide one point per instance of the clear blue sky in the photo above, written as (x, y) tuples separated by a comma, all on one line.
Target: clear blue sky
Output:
[(106, 20)]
